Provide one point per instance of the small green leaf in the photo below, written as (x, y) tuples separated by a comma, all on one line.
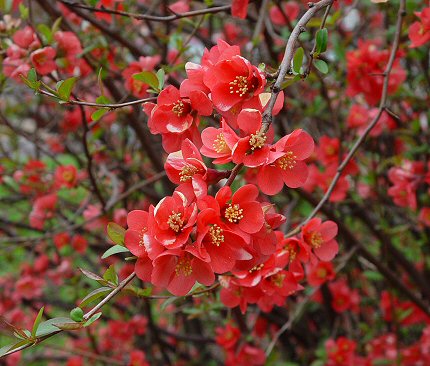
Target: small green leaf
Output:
[(99, 113), (160, 77), (49, 326), (298, 60), (91, 275), (69, 326), (94, 295), (32, 75), (92, 319), (77, 315), (102, 100), (148, 77), (321, 66), (114, 250), (116, 233), (65, 89), (321, 41), (56, 26), (168, 302), (110, 275), (46, 32), (37, 322), (23, 11)]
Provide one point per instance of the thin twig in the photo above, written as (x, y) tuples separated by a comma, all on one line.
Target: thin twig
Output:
[(87, 316), (360, 140), (152, 18)]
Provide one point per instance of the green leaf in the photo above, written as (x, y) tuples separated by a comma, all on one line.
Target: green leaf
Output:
[(160, 77), (321, 66), (99, 113), (116, 233), (91, 275), (110, 275), (92, 319), (114, 250), (65, 89), (37, 322), (298, 60), (77, 314), (321, 41), (49, 326), (69, 326), (102, 100), (56, 26), (32, 75), (373, 275), (94, 295), (148, 77), (5, 349), (23, 11), (168, 302), (46, 32)]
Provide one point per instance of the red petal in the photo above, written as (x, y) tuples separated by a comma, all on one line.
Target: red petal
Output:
[(327, 251)]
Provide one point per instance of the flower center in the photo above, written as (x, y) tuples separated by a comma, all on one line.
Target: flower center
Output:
[(216, 234), (179, 108), (239, 85), (316, 239), (233, 213), (258, 140), (187, 173), (68, 176), (278, 279), (220, 145), (288, 161), (321, 273), (141, 236), (256, 268), (183, 267), (175, 221), (291, 250)]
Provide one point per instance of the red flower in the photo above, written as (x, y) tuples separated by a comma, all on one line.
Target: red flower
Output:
[(66, 176), (286, 163), (419, 32), (178, 271), (228, 336), (181, 166), (137, 87), (365, 68), (43, 60), (239, 8), (79, 243), (233, 81), (176, 117), (173, 220), (321, 273), (43, 209), (291, 10), (217, 244), (218, 143), (251, 150), (320, 237), (241, 211)]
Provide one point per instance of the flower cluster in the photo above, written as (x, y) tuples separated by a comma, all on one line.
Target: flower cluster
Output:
[(192, 236), (419, 31), (366, 69), (63, 54)]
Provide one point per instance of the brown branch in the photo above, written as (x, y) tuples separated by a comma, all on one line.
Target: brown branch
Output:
[(288, 56), (90, 160), (87, 316), (98, 105), (382, 107), (151, 18)]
